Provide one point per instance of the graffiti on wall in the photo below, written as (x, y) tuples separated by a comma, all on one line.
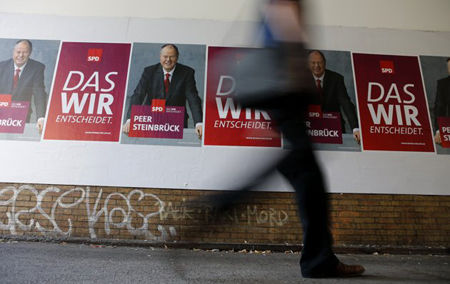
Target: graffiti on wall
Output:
[(29, 209)]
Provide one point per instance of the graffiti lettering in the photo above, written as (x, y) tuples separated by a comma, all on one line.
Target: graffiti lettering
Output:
[(29, 209)]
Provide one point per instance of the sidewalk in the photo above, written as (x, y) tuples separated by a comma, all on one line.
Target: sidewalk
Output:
[(27, 262)]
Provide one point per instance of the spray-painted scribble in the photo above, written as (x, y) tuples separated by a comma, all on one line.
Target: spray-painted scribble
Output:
[(251, 215), (115, 216), (14, 222)]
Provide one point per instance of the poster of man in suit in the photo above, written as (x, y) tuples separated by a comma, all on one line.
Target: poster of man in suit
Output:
[(171, 74), (26, 73), (333, 76)]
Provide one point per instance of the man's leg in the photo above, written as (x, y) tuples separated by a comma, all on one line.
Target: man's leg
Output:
[(302, 171)]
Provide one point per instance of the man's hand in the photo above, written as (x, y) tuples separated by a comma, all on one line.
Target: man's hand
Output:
[(40, 124), (126, 127), (437, 137), (199, 130), (357, 136)]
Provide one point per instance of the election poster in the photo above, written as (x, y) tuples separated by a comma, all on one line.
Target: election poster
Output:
[(13, 115), (164, 103), (323, 128), (88, 92), (26, 74), (444, 131), (332, 118), (226, 122), (392, 103), (157, 121), (436, 76)]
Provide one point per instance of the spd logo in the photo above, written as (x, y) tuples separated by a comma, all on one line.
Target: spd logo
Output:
[(5, 100), (387, 67), (158, 105), (314, 111), (94, 54)]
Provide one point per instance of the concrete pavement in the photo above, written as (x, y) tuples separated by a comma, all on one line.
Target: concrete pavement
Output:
[(38, 262)]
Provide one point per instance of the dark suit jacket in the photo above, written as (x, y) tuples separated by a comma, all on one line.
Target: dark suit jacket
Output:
[(336, 99), (442, 102), (182, 88), (30, 84)]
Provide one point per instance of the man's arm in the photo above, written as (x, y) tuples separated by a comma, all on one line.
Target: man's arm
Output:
[(195, 103), (347, 105), (140, 91), (439, 108), (138, 96), (6, 76), (40, 96)]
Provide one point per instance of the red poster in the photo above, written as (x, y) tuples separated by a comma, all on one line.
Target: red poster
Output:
[(323, 127), (5, 100), (88, 92), (444, 131), (226, 123), (13, 114), (392, 105), (157, 121)]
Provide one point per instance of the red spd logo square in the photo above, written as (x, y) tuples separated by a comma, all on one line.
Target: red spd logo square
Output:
[(5, 100), (94, 54), (314, 111), (158, 105), (387, 66)]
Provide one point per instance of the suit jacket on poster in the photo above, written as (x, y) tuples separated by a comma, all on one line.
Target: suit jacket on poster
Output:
[(442, 102), (182, 88), (336, 99), (30, 84)]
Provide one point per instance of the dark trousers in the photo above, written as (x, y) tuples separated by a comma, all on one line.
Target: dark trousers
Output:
[(300, 168)]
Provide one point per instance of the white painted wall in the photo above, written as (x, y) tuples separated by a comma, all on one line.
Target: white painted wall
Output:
[(350, 25), (429, 15)]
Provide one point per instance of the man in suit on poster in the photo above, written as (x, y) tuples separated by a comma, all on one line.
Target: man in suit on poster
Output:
[(442, 102), (23, 78), (171, 81), (333, 95)]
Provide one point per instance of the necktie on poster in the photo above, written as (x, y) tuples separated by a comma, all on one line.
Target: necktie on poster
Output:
[(16, 78), (167, 83)]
